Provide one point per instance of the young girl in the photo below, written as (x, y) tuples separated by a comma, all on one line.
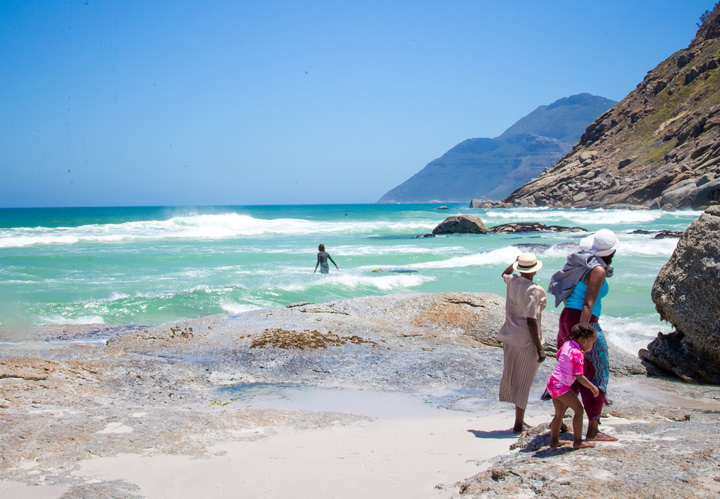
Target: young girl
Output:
[(569, 369)]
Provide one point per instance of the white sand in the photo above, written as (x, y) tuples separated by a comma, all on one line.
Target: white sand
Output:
[(405, 450), (380, 458), (17, 490)]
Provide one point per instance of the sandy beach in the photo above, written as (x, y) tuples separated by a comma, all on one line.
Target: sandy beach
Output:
[(391, 396), (400, 455)]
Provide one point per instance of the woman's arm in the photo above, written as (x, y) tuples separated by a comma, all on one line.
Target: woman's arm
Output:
[(595, 280), (336, 265), (535, 335), (318, 263), (510, 269), (587, 384)]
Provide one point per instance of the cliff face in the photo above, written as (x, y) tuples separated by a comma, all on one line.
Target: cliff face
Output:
[(492, 168), (658, 148)]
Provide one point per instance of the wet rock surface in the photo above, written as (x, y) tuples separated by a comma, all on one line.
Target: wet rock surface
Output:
[(660, 234), (77, 392), (531, 227)]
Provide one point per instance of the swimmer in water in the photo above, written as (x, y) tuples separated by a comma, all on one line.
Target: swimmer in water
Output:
[(322, 261)]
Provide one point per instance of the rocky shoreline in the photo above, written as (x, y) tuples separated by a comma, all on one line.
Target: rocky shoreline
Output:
[(76, 393)]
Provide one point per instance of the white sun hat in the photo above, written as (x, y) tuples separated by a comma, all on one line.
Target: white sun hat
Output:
[(527, 263), (603, 243)]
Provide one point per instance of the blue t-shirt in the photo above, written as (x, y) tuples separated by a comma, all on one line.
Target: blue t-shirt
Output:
[(577, 297)]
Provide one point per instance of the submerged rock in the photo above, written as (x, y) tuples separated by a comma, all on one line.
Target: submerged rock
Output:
[(668, 234), (660, 234), (531, 227)]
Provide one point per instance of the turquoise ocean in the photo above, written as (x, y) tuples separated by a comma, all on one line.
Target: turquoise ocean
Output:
[(154, 265)]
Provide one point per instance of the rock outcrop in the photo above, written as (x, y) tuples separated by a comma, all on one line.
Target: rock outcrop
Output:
[(658, 148), (489, 204), (460, 224), (685, 294), (469, 224), (476, 203)]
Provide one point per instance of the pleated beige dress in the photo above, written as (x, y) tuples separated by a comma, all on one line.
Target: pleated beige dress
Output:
[(524, 299)]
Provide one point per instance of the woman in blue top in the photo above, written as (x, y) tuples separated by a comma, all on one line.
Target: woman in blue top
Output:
[(582, 284)]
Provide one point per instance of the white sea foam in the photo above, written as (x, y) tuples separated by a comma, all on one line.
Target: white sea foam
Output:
[(383, 282), (198, 227), (236, 308), (633, 334), (83, 319), (394, 250), (579, 217), (354, 281), (645, 245), (115, 296), (684, 214), (502, 255)]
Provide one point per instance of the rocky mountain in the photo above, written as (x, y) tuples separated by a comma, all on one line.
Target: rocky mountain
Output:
[(658, 148), (493, 168)]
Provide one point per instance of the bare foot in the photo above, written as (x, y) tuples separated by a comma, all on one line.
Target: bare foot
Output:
[(560, 443), (518, 430), (583, 445), (602, 437)]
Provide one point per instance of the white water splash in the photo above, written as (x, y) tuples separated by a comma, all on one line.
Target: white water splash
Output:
[(503, 255)]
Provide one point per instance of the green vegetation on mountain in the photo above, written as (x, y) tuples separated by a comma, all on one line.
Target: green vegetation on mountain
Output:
[(659, 147)]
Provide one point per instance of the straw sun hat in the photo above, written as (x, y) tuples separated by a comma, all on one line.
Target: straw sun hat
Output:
[(527, 263)]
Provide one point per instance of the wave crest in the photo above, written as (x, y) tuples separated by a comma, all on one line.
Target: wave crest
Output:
[(197, 227)]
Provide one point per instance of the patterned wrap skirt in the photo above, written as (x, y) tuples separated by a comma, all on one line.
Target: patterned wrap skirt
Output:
[(597, 365)]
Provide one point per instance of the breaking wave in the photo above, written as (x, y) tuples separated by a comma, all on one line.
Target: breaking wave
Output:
[(199, 227)]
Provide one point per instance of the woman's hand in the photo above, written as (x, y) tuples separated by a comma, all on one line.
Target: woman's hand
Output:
[(594, 390), (541, 355)]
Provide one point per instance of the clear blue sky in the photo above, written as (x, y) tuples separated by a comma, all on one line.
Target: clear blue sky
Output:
[(131, 102)]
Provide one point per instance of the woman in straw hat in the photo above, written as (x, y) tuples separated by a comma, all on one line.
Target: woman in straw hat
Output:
[(521, 334), (581, 285)]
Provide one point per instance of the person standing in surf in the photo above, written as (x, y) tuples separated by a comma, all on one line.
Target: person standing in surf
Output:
[(322, 261), (581, 285), (521, 334)]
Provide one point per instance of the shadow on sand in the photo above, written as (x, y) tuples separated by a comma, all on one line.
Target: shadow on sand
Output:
[(494, 434)]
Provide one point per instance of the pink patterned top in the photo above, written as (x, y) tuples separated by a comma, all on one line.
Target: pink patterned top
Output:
[(570, 361)]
